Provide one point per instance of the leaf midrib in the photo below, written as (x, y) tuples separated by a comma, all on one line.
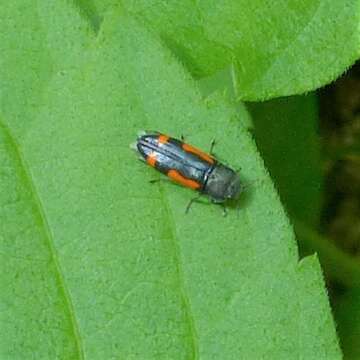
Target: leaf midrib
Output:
[(180, 272), (39, 209)]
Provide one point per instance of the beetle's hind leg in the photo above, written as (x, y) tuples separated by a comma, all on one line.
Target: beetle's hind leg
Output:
[(159, 180), (191, 202), (225, 211)]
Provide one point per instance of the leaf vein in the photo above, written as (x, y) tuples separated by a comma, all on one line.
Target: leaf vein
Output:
[(180, 272), (48, 236)]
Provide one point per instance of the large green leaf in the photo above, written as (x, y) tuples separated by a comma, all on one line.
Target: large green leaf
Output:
[(97, 262), (277, 48)]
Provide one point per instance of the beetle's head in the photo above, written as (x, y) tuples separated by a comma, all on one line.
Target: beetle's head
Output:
[(234, 188), (223, 184)]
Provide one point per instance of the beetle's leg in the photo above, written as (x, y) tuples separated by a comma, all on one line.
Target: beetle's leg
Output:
[(212, 145), (191, 202), (225, 212), (153, 181), (182, 138), (238, 210)]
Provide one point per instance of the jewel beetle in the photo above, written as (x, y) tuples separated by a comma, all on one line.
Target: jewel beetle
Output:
[(189, 166)]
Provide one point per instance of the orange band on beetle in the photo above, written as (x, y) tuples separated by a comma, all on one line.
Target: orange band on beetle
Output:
[(151, 159), (163, 139), (198, 152), (176, 176)]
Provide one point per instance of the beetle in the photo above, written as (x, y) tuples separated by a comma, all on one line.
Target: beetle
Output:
[(189, 166)]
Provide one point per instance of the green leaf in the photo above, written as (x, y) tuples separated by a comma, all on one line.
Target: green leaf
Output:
[(312, 305), (277, 48), (101, 264)]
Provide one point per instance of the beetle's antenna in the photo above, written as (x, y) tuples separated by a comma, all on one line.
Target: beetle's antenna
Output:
[(248, 185)]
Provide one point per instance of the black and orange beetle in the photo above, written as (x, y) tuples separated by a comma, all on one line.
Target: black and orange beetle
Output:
[(189, 167)]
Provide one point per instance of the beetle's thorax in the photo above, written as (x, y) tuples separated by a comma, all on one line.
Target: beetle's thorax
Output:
[(222, 184)]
